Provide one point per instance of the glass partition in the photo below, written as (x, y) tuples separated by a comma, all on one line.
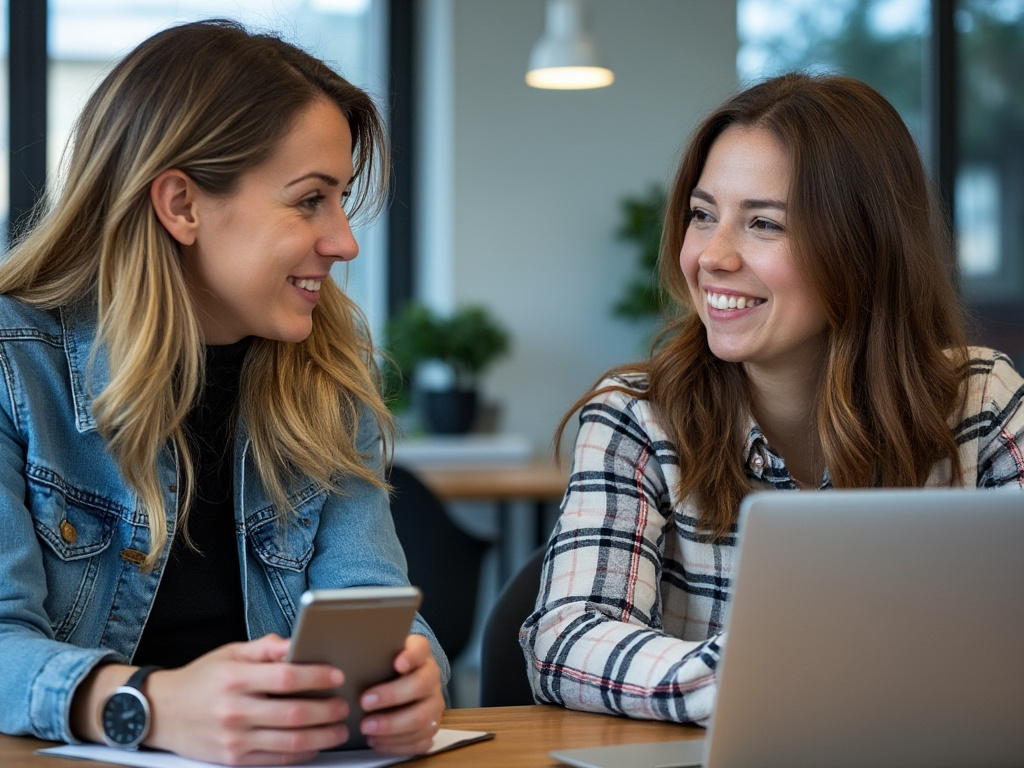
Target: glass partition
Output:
[(87, 37), (883, 42), (990, 176), (5, 144)]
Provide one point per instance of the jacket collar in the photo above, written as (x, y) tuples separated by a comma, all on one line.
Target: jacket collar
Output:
[(87, 360)]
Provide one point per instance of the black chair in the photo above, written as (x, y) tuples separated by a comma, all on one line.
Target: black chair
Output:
[(444, 560), (503, 681)]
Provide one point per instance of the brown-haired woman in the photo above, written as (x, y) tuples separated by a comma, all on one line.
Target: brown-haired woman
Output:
[(191, 433), (820, 345)]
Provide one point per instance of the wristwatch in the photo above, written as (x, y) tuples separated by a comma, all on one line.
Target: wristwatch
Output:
[(126, 713)]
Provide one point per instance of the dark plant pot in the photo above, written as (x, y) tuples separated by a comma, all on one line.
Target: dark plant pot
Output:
[(449, 411)]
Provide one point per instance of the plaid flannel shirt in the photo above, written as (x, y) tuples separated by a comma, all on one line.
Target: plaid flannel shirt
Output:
[(629, 619)]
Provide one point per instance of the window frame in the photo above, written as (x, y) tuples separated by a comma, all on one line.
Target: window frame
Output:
[(27, 67)]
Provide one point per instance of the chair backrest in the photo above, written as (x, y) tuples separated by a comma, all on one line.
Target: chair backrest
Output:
[(503, 681), (444, 560)]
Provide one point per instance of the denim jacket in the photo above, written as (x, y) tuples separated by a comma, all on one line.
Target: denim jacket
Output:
[(72, 532)]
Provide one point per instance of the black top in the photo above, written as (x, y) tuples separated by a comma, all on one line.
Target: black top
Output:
[(199, 605)]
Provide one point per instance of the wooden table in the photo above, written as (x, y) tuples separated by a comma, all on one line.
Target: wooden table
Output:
[(539, 481), (523, 738), (536, 480)]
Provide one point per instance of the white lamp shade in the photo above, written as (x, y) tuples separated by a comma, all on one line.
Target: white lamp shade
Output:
[(566, 56)]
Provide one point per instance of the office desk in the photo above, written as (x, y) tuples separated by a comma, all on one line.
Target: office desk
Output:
[(538, 481), (534, 481), (523, 738)]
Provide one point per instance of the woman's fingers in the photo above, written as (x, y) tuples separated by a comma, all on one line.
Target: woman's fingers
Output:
[(267, 648), (402, 714), (295, 712), (419, 678), (420, 685), (271, 675), (415, 654), (243, 705), (408, 719), (242, 700)]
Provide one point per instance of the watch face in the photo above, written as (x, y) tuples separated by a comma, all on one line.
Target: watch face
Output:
[(125, 718)]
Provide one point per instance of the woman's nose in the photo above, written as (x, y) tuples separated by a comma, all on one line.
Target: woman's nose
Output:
[(337, 240), (720, 253)]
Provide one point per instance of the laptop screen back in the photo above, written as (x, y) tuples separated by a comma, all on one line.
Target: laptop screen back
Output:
[(875, 627)]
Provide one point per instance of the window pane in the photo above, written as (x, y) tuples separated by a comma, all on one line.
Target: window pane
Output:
[(881, 42), (5, 143), (990, 178), (87, 37)]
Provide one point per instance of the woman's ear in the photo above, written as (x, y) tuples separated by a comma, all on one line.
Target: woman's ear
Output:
[(173, 196)]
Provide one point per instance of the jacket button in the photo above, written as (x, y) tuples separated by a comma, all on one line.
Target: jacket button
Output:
[(68, 532), (172, 488), (133, 556)]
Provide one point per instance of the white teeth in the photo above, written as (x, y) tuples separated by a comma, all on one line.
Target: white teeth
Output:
[(309, 285), (722, 301)]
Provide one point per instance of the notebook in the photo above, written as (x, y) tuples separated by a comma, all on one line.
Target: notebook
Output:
[(867, 628)]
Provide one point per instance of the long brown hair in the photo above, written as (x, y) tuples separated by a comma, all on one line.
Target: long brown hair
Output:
[(214, 101), (865, 228)]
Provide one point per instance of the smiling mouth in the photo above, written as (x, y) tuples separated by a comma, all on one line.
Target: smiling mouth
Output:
[(306, 285), (723, 301)]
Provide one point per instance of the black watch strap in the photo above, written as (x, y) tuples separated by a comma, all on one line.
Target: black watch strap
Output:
[(139, 676)]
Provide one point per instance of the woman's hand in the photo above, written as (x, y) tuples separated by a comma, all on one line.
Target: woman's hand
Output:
[(402, 715), (242, 704)]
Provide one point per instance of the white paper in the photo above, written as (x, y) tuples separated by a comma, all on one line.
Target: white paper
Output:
[(355, 758)]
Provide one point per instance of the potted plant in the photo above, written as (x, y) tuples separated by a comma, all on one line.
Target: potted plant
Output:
[(464, 344), (642, 297)]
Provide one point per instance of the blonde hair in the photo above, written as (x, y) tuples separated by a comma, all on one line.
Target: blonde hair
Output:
[(212, 100), (866, 230)]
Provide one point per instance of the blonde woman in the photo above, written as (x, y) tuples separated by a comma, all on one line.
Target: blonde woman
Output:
[(821, 346), (190, 427)]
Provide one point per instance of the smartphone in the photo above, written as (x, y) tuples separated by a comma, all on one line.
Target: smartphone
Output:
[(359, 630)]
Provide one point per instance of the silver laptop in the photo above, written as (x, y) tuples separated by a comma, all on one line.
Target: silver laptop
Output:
[(867, 628)]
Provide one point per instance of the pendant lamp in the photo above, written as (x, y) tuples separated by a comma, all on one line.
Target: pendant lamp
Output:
[(566, 56)]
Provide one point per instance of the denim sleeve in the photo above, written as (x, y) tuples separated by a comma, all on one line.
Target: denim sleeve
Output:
[(361, 514), (38, 675)]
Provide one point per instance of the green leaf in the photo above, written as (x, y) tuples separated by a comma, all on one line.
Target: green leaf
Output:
[(641, 224), (468, 342)]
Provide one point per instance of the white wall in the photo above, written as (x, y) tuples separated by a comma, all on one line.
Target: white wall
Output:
[(521, 187)]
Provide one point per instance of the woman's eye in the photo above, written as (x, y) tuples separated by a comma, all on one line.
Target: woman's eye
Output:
[(698, 215), (313, 201), (765, 225)]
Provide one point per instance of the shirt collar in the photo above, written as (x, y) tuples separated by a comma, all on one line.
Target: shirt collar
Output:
[(763, 463)]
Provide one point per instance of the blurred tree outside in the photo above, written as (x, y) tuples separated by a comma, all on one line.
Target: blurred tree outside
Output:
[(883, 42)]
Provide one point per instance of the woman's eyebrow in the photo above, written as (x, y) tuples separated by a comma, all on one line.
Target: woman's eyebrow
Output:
[(327, 179), (750, 204), (700, 194)]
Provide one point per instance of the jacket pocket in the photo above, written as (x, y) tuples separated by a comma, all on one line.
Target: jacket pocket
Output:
[(286, 541), (73, 536), (283, 546)]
